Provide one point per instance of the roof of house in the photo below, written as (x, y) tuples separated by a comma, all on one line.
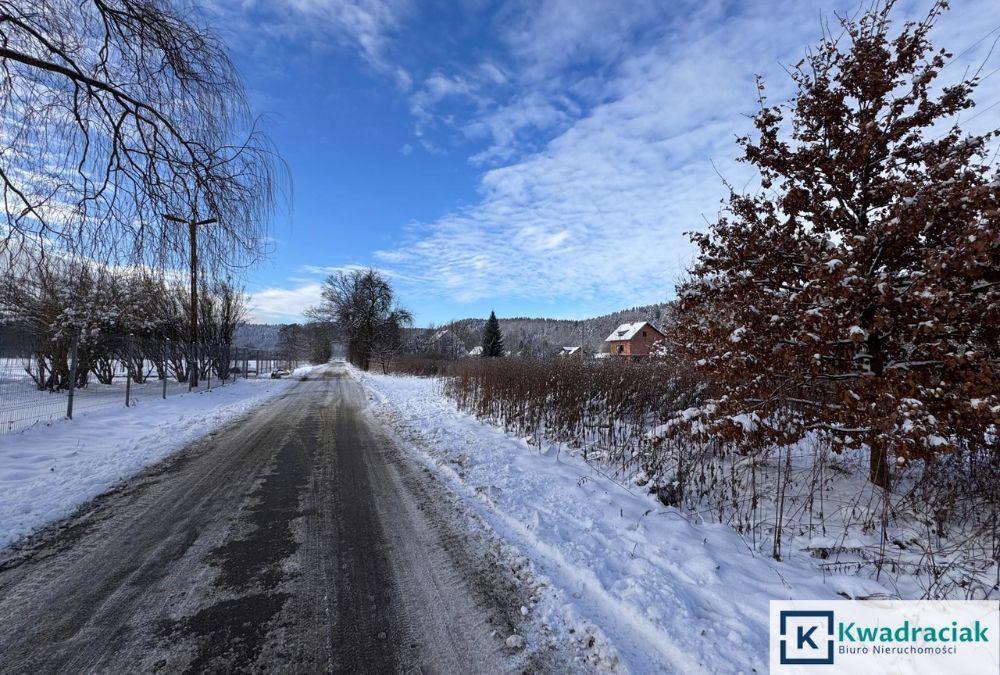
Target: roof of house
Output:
[(476, 351), (569, 351), (627, 331)]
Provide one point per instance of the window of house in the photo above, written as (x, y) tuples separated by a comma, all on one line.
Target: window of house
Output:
[(643, 333), (621, 348)]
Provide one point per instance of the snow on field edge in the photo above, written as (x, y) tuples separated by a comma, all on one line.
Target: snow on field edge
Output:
[(666, 594), (47, 471)]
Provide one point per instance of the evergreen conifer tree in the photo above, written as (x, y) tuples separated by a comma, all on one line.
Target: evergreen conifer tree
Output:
[(492, 338)]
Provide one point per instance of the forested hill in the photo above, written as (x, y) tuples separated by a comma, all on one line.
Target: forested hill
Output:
[(258, 336), (522, 335), (540, 337)]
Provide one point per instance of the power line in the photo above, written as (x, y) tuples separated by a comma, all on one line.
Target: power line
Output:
[(983, 111), (970, 48), (988, 75)]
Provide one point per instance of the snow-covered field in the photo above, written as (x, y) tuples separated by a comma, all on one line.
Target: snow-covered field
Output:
[(23, 405), (632, 582), (47, 471)]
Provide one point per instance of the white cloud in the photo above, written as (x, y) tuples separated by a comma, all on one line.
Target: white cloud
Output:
[(283, 305), (367, 26), (288, 304), (507, 126), (598, 211), (526, 90), (547, 37), (326, 270)]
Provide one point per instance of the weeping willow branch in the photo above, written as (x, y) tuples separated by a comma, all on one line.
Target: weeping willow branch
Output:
[(114, 112)]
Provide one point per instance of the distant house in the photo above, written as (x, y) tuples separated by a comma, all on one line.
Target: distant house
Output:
[(476, 351), (633, 340), (570, 351)]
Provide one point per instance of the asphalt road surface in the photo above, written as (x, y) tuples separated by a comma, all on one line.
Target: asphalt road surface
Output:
[(298, 539)]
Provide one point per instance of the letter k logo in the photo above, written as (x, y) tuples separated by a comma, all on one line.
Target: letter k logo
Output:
[(805, 636)]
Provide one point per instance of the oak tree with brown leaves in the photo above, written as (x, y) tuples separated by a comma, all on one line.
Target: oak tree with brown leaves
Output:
[(857, 295)]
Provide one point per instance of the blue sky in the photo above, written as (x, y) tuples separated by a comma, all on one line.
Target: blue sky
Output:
[(538, 158)]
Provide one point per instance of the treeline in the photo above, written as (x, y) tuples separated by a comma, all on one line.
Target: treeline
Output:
[(360, 309), (131, 319), (258, 336), (535, 337), (311, 342)]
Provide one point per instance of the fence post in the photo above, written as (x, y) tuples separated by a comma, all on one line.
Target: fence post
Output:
[(163, 355), (72, 373), (128, 369), (208, 386), (192, 364)]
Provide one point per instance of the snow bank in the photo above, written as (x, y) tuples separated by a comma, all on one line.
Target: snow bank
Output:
[(633, 584), (48, 471)]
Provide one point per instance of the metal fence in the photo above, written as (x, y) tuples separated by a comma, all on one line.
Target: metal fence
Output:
[(49, 378)]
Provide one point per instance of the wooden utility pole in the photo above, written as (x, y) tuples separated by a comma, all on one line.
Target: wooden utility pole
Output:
[(193, 224)]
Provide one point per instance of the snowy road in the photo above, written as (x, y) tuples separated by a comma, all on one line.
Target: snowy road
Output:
[(297, 539)]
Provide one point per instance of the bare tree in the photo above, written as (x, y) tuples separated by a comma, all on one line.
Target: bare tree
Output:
[(312, 342), (221, 309), (388, 342), (114, 113), (291, 342), (112, 311), (319, 337), (61, 298), (362, 305)]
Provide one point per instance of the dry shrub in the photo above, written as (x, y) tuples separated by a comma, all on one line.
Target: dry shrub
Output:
[(608, 407), (421, 366), (935, 534)]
